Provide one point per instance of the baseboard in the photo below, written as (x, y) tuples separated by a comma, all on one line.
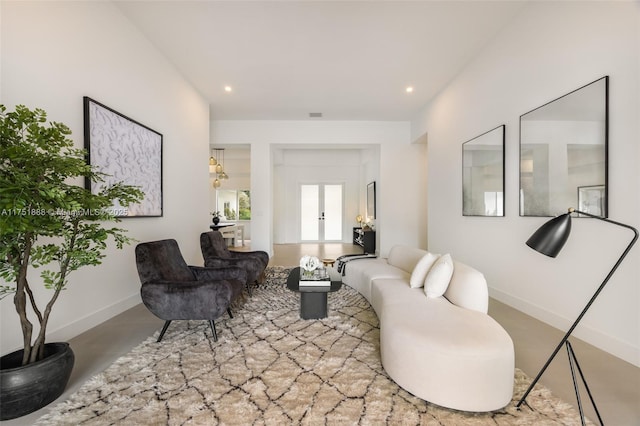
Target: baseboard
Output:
[(80, 325), (596, 338)]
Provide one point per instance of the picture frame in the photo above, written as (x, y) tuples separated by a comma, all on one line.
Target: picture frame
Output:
[(371, 200), (592, 199), (124, 151)]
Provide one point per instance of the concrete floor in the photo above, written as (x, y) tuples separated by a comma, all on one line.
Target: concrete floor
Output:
[(614, 383)]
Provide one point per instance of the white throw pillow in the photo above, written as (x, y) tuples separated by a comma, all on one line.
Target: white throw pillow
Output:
[(439, 276), (421, 269)]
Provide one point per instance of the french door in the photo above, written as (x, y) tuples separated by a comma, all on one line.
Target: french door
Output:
[(321, 212)]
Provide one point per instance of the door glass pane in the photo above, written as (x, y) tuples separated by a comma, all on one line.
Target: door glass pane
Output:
[(309, 212), (244, 205), (333, 212), (227, 203)]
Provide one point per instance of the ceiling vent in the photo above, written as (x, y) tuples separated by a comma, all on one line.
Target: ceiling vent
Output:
[(315, 115)]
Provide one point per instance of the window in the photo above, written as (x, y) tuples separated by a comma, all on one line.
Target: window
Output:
[(234, 204)]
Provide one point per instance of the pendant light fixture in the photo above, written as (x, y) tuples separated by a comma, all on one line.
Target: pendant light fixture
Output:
[(216, 165)]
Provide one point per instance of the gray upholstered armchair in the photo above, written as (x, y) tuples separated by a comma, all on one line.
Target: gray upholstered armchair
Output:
[(216, 254), (172, 290)]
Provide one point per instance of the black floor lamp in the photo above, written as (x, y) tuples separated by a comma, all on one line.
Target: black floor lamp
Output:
[(549, 240)]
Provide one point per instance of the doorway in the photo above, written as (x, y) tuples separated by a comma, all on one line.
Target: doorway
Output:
[(321, 212)]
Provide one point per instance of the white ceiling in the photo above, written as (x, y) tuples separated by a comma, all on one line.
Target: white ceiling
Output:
[(347, 60)]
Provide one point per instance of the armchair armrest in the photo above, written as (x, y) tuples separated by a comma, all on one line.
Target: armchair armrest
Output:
[(193, 300), (262, 256), (245, 263), (219, 273)]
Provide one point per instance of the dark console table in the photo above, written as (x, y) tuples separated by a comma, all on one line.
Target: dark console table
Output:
[(365, 238)]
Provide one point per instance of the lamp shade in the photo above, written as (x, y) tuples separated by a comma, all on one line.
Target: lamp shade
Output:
[(550, 237)]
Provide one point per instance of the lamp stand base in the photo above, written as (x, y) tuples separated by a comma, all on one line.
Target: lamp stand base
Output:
[(573, 365)]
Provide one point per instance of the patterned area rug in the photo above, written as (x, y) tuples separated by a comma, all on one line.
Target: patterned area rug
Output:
[(271, 367)]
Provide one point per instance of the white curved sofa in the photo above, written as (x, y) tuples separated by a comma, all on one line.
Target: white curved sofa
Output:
[(445, 350)]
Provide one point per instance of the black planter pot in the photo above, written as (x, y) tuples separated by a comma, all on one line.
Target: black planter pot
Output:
[(25, 389), (216, 220)]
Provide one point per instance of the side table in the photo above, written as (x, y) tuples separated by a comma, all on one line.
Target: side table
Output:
[(313, 299)]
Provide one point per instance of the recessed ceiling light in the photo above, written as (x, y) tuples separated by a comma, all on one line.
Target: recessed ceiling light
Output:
[(409, 89), (228, 89)]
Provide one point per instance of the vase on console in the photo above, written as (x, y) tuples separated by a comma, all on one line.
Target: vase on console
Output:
[(216, 217)]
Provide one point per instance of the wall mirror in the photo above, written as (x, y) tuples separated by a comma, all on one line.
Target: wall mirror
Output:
[(483, 174), (563, 153)]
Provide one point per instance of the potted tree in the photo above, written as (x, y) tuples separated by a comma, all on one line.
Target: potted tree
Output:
[(50, 223)]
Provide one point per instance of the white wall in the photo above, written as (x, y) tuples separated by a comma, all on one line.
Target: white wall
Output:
[(53, 54), (310, 166), (550, 49), (401, 183)]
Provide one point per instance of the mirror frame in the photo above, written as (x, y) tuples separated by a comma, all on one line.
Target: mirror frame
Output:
[(465, 148), (574, 193), (371, 200)]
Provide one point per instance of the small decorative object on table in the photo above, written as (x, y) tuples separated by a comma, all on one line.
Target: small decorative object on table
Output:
[(312, 273), (216, 217), (328, 262)]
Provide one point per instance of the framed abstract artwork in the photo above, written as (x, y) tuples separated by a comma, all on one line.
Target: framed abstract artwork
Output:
[(124, 151), (591, 199)]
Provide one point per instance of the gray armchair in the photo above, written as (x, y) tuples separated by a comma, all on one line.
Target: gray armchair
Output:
[(172, 290), (216, 254)]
